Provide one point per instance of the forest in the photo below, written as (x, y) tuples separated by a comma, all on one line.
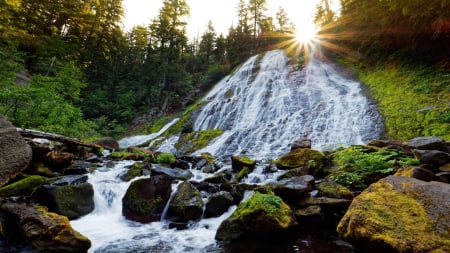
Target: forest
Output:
[(69, 67)]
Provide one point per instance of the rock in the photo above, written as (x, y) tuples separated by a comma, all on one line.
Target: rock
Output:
[(46, 231), (332, 189), (15, 152), (310, 216), (435, 158), (293, 189), (56, 160), (301, 158), (187, 203), (445, 175), (136, 170), (145, 199), (428, 143), (180, 164), (79, 168), (261, 216), (70, 196), (301, 143), (218, 203), (22, 187), (399, 214), (238, 163), (173, 173), (108, 143), (417, 173), (445, 167)]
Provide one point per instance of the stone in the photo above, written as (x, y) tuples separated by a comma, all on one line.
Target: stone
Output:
[(301, 143), (23, 187), (428, 143), (56, 161), (145, 199), (436, 158), (238, 163), (15, 152), (293, 189), (301, 158), (261, 216), (217, 204), (186, 204), (70, 196), (108, 143), (399, 214), (417, 173), (332, 189), (46, 231)]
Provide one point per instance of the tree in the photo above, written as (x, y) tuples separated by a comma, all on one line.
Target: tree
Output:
[(282, 19), (257, 9), (207, 43)]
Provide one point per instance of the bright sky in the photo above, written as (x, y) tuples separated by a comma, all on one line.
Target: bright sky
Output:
[(220, 12)]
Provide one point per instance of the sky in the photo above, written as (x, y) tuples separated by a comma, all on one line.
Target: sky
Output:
[(221, 12)]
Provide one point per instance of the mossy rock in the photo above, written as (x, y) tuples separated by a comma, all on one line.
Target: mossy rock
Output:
[(399, 214), (193, 141), (301, 158), (126, 155), (136, 170), (187, 203), (260, 216), (238, 163), (243, 173), (23, 187), (332, 189)]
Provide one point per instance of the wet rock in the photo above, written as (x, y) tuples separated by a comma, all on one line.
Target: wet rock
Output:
[(22, 187), (218, 203), (261, 216), (56, 160), (70, 196), (435, 158), (310, 216), (301, 143), (180, 164), (417, 173), (79, 168), (332, 189), (445, 175), (428, 143), (15, 152), (293, 189), (187, 203), (238, 163), (173, 173), (136, 170), (399, 214), (46, 231), (301, 158), (145, 199), (445, 167)]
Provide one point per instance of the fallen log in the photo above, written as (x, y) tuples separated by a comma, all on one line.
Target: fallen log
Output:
[(28, 133)]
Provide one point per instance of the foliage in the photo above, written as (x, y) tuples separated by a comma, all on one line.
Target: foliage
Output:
[(359, 165), (165, 158)]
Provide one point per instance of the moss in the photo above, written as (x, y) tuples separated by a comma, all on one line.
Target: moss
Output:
[(196, 140), (301, 157), (243, 173), (165, 158), (23, 187), (412, 98), (132, 154), (383, 215), (333, 190), (184, 118), (273, 206)]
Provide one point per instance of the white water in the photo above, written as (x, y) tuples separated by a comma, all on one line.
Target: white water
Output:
[(263, 112), (140, 139)]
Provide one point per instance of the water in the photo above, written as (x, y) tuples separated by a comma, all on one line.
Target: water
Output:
[(140, 139), (263, 112), (263, 107)]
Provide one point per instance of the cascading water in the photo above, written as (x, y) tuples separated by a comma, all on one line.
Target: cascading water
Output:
[(263, 107), (267, 104)]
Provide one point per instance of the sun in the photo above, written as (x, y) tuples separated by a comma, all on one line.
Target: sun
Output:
[(305, 33)]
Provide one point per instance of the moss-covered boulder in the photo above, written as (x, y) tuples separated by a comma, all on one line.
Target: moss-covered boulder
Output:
[(260, 216), (418, 173), (146, 198), (238, 163), (218, 203), (332, 189), (129, 155), (70, 196), (192, 141), (22, 187), (136, 170), (46, 231), (186, 204), (399, 214), (303, 157)]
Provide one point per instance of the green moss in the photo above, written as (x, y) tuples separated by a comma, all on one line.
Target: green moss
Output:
[(184, 118), (301, 157), (132, 154), (333, 190), (412, 98), (196, 140), (243, 173), (165, 158), (23, 187), (273, 206)]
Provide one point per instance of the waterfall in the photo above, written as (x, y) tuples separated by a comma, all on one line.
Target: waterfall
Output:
[(267, 104), (263, 107)]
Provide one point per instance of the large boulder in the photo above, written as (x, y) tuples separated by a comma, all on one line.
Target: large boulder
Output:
[(46, 231), (180, 174), (261, 216), (70, 196), (239, 163), (399, 214), (187, 203), (291, 190), (146, 198), (302, 157), (15, 152), (218, 203), (428, 143), (23, 187)]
